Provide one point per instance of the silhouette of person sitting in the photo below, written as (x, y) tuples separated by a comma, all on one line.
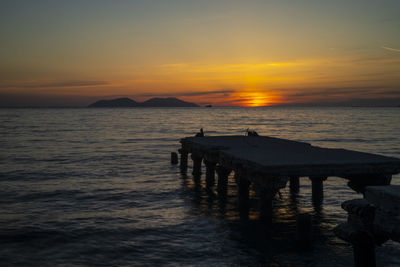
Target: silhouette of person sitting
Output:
[(251, 132), (200, 134)]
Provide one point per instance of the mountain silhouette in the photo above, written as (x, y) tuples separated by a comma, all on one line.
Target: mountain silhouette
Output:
[(153, 102), (119, 102), (166, 102)]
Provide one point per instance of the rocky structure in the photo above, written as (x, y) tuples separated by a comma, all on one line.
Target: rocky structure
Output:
[(371, 221)]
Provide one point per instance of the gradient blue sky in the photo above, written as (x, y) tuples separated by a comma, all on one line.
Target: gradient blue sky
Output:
[(69, 53)]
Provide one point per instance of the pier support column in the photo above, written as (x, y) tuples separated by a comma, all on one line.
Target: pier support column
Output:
[(174, 158), (266, 204), (196, 164), (304, 231), (294, 184), (359, 230), (267, 187), (223, 175), (364, 255), (243, 190), (317, 189), (243, 185), (184, 160), (210, 173)]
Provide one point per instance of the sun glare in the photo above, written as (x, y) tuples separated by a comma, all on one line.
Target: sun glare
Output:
[(255, 99)]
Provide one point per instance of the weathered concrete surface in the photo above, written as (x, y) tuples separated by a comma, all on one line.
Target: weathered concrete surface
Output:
[(281, 157), (386, 198), (378, 214), (371, 221)]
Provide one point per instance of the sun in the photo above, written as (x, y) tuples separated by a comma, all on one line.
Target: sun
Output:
[(255, 99)]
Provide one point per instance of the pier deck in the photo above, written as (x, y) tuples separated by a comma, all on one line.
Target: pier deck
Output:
[(274, 156), (269, 163)]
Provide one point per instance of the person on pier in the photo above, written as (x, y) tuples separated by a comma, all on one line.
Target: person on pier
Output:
[(200, 134), (251, 132)]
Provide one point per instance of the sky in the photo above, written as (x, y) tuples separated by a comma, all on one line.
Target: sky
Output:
[(220, 52)]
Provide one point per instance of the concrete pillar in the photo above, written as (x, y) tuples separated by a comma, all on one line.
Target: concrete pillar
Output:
[(184, 160), (210, 173), (304, 231), (197, 159), (317, 189), (174, 158), (360, 231), (223, 175), (196, 164), (243, 185), (294, 184), (364, 255), (266, 204)]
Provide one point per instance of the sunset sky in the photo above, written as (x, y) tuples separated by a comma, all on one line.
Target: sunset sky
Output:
[(242, 53)]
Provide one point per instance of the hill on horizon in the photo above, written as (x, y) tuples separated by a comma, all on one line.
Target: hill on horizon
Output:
[(153, 102), (166, 102), (119, 102)]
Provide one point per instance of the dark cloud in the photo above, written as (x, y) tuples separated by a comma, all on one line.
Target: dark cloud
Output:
[(342, 91), (389, 93), (75, 84), (357, 102), (44, 100), (198, 93), (343, 96), (240, 100), (66, 84)]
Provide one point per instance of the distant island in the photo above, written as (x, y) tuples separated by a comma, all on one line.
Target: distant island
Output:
[(153, 102)]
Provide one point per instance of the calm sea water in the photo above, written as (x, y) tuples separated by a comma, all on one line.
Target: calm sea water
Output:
[(95, 187)]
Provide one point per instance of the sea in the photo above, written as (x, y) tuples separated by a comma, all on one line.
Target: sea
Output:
[(95, 187)]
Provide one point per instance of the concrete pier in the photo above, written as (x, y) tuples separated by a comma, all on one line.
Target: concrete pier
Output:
[(268, 163)]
